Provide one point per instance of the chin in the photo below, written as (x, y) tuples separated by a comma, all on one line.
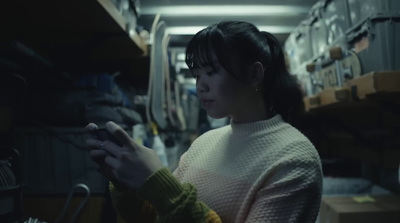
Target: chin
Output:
[(216, 115)]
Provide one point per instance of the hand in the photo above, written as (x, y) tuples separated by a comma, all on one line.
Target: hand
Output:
[(130, 164), (98, 156)]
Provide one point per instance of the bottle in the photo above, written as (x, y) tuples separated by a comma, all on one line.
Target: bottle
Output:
[(172, 150), (158, 145)]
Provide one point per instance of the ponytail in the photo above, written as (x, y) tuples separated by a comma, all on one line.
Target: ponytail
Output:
[(282, 92)]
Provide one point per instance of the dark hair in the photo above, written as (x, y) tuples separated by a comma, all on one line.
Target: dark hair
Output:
[(241, 43)]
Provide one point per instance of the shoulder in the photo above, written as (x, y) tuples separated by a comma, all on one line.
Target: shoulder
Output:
[(212, 134), (288, 147), (207, 141)]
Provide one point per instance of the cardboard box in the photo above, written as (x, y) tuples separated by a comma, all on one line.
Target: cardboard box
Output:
[(374, 82), (366, 209)]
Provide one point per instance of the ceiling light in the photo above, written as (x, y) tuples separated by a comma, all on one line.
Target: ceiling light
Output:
[(223, 10), (190, 30)]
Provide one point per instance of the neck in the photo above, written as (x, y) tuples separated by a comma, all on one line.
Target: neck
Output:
[(252, 112)]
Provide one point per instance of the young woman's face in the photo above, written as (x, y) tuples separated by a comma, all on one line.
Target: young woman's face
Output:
[(219, 92)]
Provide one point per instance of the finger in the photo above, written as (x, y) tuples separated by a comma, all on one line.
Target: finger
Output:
[(94, 143), (112, 149), (98, 157), (91, 127), (111, 162), (98, 154), (122, 136)]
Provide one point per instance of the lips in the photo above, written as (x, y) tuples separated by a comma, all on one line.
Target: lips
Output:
[(206, 102)]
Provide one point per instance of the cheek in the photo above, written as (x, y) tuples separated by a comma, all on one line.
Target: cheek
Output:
[(224, 90), (228, 96)]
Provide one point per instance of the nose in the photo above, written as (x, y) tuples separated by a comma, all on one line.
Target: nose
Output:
[(201, 85)]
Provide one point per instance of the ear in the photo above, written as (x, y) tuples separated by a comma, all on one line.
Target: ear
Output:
[(256, 71)]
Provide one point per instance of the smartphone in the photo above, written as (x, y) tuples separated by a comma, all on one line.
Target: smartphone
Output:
[(102, 134)]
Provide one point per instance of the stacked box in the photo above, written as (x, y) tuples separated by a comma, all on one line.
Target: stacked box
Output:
[(367, 209), (299, 46), (360, 10), (305, 80), (366, 31), (376, 42), (335, 14), (330, 22), (319, 33)]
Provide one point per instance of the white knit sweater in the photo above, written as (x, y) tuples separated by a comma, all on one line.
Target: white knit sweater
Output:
[(265, 171)]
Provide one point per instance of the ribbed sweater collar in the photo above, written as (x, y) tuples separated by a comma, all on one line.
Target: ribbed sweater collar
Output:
[(259, 126)]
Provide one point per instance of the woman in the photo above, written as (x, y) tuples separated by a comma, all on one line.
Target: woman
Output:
[(257, 169)]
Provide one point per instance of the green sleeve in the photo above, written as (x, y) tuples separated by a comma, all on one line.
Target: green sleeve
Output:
[(130, 207), (161, 198), (175, 202)]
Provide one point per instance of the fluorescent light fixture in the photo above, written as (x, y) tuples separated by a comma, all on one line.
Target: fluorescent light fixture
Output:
[(191, 30), (277, 29), (224, 10), (181, 57), (183, 30)]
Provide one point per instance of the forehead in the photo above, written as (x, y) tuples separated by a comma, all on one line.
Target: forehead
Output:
[(204, 56)]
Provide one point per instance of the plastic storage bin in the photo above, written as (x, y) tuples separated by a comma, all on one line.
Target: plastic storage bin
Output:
[(376, 42), (318, 31), (306, 84), (299, 46), (290, 49), (360, 10), (335, 14)]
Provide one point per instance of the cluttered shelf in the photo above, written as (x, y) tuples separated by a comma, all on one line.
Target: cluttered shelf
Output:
[(76, 36), (376, 86), (360, 120)]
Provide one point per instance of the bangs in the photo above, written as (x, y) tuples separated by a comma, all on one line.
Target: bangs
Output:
[(199, 52)]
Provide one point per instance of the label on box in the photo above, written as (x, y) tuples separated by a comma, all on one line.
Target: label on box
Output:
[(361, 45), (363, 199)]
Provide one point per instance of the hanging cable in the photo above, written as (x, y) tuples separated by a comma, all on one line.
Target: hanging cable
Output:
[(82, 204)]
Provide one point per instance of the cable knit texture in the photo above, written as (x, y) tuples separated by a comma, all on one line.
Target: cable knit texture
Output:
[(266, 171)]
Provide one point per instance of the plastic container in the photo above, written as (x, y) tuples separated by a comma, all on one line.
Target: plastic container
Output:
[(319, 32), (317, 79), (335, 14), (376, 42), (299, 45), (290, 49), (159, 146), (306, 84), (360, 10), (338, 42)]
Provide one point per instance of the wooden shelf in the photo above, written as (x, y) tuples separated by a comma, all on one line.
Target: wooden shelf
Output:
[(361, 120), (76, 35), (381, 86)]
